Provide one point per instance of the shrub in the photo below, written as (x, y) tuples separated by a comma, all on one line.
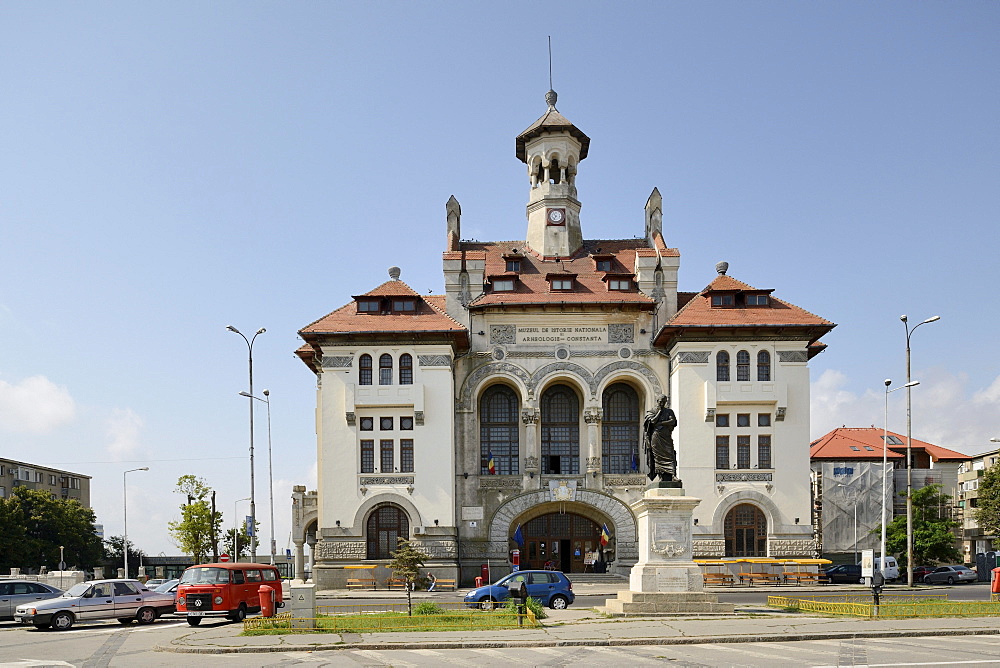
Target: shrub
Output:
[(428, 608), (533, 604)]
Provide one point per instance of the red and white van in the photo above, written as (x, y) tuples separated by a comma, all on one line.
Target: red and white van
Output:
[(225, 590)]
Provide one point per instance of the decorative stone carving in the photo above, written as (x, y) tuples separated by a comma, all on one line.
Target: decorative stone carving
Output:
[(418, 417), (693, 357), (593, 415), (793, 356), (503, 334), (351, 418), (710, 415), (721, 489), (337, 361), (769, 487), (531, 462), (593, 463), (621, 333), (784, 547), (571, 367), (487, 371), (386, 480), (743, 476), (499, 354), (500, 482), (612, 367), (636, 481), (433, 360), (353, 550), (562, 353), (622, 524), (531, 354), (779, 414), (438, 549), (563, 490), (485, 550), (529, 416), (624, 353), (708, 548)]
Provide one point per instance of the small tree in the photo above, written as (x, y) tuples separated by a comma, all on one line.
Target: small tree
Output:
[(933, 540), (406, 563), (987, 513), (114, 556), (195, 531)]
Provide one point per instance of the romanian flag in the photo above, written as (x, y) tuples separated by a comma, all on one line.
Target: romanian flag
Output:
[(635, 460), (519, 537), (491, 464), (605, 536)]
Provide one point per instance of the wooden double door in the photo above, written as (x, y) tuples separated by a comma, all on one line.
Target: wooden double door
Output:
[(560, 541)]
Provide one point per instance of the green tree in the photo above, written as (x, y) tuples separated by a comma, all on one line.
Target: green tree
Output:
[(198, 527), (406, 563), (114, 557), (933, 540), (987, 513), (229, 546), (34, 525)]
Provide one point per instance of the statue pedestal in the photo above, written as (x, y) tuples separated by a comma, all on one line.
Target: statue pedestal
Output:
[(666, 580)]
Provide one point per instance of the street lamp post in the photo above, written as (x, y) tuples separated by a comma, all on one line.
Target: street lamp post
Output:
[(236, 529), (253, 506), (885, 462), (125, 514), (909, 452), (270, 466)]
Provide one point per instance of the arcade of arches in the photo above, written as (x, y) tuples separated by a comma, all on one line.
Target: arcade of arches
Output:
[(560, 541)]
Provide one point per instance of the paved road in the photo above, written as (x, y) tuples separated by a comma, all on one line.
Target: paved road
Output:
[(100, 645)]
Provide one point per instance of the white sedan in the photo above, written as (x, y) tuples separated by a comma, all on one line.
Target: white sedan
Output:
[(124, 600)]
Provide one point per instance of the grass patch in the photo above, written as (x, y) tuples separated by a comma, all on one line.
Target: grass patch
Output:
[(392, 622)]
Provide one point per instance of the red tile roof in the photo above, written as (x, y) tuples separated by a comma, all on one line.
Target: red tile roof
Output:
[(532, 286), (837, 445)]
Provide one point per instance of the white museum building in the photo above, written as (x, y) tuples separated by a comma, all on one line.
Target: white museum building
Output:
[(516, 398)]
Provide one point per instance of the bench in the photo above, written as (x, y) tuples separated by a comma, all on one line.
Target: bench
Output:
[(717, 578), (772, 578), (442, 583), (396, 583), (361, 583), (802, 576)]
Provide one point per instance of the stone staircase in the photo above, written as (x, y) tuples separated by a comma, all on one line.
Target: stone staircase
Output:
[(598, 579)]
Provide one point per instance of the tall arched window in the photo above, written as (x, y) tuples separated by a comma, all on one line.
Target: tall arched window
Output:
[(560, 431), (722, 366), (385, 526), (385, 369), (406, 369), (742, 366), (763, 365), (745, 530), (365, 370), (620, 430), (498, 431)]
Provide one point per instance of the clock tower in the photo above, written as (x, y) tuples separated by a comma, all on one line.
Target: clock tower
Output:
[(553, 148)]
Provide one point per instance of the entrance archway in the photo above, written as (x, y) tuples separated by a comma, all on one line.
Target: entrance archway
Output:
[(746, 532), (560, 541)]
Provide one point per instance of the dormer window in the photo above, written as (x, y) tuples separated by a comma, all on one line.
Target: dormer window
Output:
[(604, 265), (757, 300), (503, 285), (514, 265), (369, 306), (722, 300), (404, 305), (618, 282), (561, 284), (603, 262)]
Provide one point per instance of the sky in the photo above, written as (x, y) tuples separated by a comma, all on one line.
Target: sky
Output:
[(171, 168)]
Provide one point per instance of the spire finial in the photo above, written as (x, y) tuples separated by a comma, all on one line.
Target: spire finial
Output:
[(722, 268), (551, 96)]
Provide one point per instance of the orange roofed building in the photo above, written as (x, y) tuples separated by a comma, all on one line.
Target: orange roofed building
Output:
[(516, 398), (847, 468)]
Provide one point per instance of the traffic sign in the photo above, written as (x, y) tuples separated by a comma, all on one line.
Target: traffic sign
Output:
[(223, 558)]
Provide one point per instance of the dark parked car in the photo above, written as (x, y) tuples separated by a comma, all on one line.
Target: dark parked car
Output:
[(551, 588), (918, 573), (844, 574), (950, 575), (16, 592)]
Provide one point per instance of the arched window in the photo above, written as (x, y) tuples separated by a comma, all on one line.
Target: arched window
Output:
[(406, 369), (385, 369), (742, 366), (498, 431), (746, 532), (365, 370), (560, 431), (620, 430), (385, 526), (722, 366), (763, 365)]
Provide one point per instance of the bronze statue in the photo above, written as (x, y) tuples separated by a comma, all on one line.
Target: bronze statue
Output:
[(657, 428)]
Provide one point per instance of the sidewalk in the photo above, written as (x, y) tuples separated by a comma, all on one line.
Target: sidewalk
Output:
[(587, 627)]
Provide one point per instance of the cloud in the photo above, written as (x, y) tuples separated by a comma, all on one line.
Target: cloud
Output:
[(945, 411), (35, 405), (123, 428)]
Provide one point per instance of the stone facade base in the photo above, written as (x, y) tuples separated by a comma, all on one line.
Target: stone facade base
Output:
[(666, 603), (666, 577)]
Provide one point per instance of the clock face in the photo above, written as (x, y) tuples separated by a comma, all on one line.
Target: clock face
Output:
[(556, 216)]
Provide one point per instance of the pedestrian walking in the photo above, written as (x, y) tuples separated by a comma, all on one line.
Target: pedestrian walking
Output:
[(431, 580)]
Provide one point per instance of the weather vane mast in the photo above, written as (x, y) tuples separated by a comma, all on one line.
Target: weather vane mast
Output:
[(551, 97)]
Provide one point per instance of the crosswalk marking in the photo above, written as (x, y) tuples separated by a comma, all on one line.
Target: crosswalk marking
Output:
[(382, 658)]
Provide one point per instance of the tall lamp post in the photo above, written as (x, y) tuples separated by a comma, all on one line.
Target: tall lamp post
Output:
[(236, 528), (253, 506), (125, 514), (885, 462), (270, 467), (909, 452)]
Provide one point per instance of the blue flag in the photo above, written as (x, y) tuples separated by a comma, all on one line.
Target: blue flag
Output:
[(518, 536), (635, 460)]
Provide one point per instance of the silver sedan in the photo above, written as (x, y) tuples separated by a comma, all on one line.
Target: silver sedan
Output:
[(124, 600), (950, 575), (18, 592)]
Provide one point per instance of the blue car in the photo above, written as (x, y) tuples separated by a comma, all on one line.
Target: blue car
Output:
[(552, 588)]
